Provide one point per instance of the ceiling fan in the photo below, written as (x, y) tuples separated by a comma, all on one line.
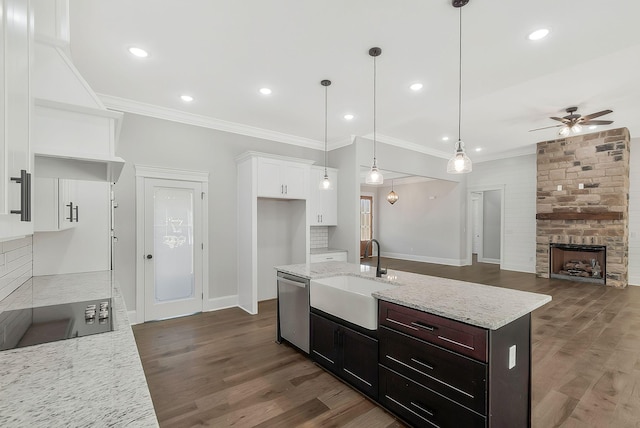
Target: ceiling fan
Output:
[(573, 121)]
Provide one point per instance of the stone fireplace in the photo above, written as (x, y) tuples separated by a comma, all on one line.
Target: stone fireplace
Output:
[(583, 201)]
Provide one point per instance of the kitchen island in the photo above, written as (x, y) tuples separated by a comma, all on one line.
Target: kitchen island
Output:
[(94, 380), (445, 353)]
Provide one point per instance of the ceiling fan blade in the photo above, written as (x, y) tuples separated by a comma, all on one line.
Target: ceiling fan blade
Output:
[(546, 127), (598, 122), (594, 115), (560, 119)]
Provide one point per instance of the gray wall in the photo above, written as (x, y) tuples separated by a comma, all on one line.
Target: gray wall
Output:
[(491, 218), (347, 234), (161, 143)]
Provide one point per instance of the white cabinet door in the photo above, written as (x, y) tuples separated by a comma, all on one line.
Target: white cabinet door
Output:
[(323, 204), (15, 189), (56, 204), (282, 179)]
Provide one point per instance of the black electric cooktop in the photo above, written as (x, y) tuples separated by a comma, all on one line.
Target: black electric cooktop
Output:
[(32, 326)]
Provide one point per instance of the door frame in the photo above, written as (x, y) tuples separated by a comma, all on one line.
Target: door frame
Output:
[(482, 189), (479, 198), (143, 172)]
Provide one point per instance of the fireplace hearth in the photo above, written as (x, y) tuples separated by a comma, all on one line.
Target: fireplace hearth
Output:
[(585, 263)]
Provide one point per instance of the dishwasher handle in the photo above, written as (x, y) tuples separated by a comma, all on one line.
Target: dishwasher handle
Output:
[(291, 282)]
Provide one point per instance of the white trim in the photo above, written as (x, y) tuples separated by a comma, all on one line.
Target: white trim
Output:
[(171, 173), (392, 141), (251, 153), (224, 302), (425, 259), (76, 108), (143, 172), (470, 191), (135, 107), (133, 317), (491, 261)]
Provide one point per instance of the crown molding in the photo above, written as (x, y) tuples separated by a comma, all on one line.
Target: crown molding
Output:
[(135, 107), (408, 145)]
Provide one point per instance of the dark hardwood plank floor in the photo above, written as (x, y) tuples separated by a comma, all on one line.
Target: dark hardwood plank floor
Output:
[(224, 369)]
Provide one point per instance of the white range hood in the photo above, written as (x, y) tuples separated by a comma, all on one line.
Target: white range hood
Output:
[(73, 135)]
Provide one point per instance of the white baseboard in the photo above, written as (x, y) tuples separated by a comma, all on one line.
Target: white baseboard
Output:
[(223, 302), (492, 261), (519, 268), (634, 280), (426, 259)]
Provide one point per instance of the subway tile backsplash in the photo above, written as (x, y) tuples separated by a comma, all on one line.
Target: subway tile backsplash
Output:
[(319, 236), (15, 264)]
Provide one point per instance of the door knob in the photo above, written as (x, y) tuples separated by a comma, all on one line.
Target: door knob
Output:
[(149, 256)]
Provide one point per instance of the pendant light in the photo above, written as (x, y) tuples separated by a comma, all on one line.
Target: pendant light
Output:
[(374, 176), (325, 184), (459, 162), (392, 197)]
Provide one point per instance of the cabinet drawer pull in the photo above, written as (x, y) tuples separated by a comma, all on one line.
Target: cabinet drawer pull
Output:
[(422, 364), (410, 410), (446, 339), (357, 377), (424, 326), (402, 324), (419, 407)]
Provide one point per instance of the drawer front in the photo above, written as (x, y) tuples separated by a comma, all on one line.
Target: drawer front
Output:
[(422, 407), (328, 257), (460, 378), (456, 336)]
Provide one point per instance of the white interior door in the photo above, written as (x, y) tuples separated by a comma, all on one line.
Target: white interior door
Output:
[(173, 251), (476, 212)]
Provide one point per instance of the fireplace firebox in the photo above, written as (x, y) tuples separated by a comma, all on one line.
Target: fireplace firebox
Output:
[(586, 263)]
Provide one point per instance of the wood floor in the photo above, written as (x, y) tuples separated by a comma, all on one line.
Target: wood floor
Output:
[(224, 369)]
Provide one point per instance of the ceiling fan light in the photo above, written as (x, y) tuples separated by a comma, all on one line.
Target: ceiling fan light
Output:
[(374, 176), (576, 128), (564, 131)]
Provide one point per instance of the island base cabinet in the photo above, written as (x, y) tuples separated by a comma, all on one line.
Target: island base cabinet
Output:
[(422, 407), (349, 354)]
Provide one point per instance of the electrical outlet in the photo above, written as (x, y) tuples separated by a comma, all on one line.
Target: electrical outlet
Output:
[(581, 186), (512, 356), (559, 187)]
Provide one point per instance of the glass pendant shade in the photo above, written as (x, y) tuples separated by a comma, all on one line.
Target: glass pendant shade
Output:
[(576, 128), (392, 197), (325, 183), (564, 131), (374, 176), (459, 162)]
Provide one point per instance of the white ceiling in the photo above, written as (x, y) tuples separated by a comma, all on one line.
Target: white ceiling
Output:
[(222, 51)]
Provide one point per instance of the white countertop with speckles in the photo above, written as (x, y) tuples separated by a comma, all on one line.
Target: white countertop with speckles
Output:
[(87, 381), (477, 304)]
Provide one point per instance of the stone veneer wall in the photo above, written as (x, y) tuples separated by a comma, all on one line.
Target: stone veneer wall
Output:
[(600, 161)]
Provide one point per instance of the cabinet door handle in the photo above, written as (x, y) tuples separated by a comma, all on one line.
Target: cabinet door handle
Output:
[(70, 218), (419, 407), (282, 189), (25, 195), (424, 326), (286, 189), (76, 208), (320, 218)]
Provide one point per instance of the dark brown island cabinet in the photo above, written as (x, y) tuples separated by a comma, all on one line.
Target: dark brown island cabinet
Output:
[(437, 372), (432, 371)]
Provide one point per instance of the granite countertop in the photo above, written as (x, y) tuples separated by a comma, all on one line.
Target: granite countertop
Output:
[(94, 380), (326, 250), (477, 304)]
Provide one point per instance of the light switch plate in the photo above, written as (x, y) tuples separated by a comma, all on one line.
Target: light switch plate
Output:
[(512, 356), (559, 187), (581, 186)]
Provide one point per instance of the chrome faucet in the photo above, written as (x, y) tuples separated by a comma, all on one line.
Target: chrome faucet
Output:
[(379, 271)]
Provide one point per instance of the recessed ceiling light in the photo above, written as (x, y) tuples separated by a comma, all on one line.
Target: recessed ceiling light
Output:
[(416, 86), (139, 52), (265, 91), (186, 98), (445, 138), (348, 117), (539, 34), (478, 149)]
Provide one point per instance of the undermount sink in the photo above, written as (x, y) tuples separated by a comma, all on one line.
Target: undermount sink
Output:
[(349, 298)]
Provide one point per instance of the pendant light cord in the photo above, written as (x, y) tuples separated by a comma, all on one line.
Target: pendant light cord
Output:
[(325, 130), (374, 111), (460, 81)]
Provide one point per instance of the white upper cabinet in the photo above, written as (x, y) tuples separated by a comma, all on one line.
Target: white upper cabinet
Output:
[(283, 179), (323, 203), (56, 204), (15, 170)]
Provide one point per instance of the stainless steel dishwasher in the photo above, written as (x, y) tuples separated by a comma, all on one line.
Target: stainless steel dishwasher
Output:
[(293, 310)]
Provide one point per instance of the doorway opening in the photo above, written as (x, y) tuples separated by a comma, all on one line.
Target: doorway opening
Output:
[(485, 222), (366, 222)]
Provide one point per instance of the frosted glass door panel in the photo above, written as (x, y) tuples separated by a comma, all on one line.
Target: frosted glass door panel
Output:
[(173, 244), (173, 248)]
